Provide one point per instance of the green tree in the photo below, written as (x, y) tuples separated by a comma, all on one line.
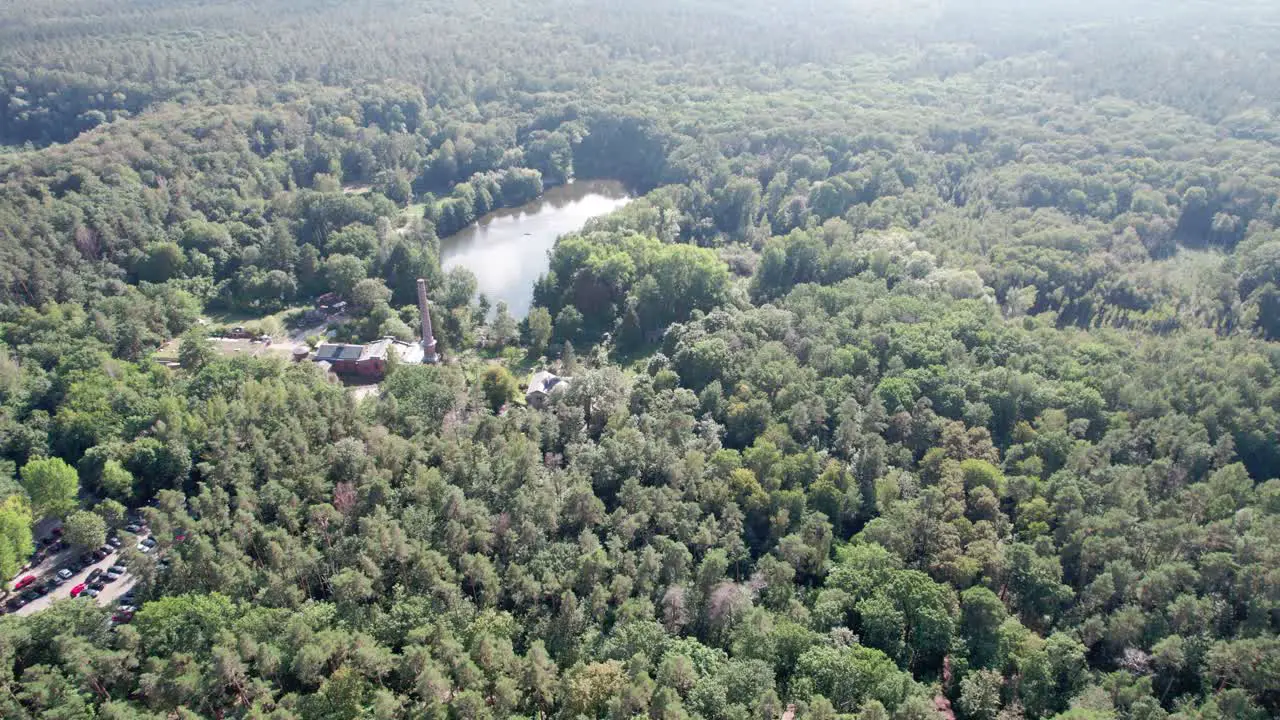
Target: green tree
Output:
[(540, 329), (980, 695), (981, 615), (15, 534), (52, 485), (194, 350), (111, 512), (116, 481), (498, 387), (85, 529), (850, 676), (164, 261), (185, 623), (568, 324), (503, 329), (369, 293), (343, 273)]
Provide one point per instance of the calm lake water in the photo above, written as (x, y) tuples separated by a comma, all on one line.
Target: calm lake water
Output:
[(507, 249)]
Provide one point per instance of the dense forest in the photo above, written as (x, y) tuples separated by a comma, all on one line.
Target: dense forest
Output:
[(933, 369)]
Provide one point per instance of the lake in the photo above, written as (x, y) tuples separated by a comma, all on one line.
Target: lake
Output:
[(508, 249)]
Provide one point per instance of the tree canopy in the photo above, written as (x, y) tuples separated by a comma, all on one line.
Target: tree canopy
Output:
[(933, 363)]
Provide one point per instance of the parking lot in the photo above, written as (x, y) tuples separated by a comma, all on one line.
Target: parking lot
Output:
[(49, 567), (110, 593)]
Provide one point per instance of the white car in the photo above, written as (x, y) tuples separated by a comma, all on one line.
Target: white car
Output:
[(65, 574)]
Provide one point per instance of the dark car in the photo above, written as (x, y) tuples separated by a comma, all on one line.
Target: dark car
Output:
[(15, 603), (86, 558), (30, 595), (97, 585), (134, 528), (118, 569), (93, 574), (114, 542)]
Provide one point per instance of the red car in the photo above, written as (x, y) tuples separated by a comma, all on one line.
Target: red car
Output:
[(24, 582), (75, 591)]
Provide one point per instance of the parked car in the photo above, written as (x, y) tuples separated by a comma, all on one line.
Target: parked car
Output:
[(134, 528), (99, 554), (122, 616), (98, 585), (24, 582), (112, 576), (93, 575), (15, 603), (117, 569), (30, 595), (92, 592), (75, 591), (114, 541), (86, 558), (65, 574)]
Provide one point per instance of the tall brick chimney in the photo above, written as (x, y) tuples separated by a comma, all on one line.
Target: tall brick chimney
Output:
[(428, 338)]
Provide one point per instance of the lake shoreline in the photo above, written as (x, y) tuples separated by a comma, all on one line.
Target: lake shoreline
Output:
[(508, 249)]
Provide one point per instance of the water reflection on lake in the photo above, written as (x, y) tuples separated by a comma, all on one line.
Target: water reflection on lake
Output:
[(508, 249)]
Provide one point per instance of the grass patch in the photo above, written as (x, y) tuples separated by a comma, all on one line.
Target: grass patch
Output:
[(272, 324)]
